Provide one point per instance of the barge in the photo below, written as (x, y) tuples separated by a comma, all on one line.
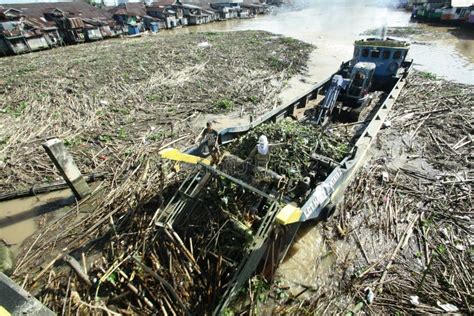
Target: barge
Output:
[(365, 87)]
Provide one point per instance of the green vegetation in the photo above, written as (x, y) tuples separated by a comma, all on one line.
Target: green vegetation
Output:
[(16, 111), (296, 142), (224, 104), (428, 75), (160, 136), (72, 142), (228, 312), (260, 288), (105, 138), (277, 63), (122, 133), (253, 99)]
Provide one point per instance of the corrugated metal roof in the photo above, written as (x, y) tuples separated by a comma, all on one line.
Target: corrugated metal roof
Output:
[(76, 9), (130, 9), (162, 3)]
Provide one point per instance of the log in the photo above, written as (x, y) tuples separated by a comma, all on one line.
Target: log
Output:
[(77, 268), (45, 188)]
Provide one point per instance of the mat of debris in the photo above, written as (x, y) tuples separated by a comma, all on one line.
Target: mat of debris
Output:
[(115, 105), (293, 144), (110, 100)]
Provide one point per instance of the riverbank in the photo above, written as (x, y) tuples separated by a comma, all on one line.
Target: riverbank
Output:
[(401, 240)]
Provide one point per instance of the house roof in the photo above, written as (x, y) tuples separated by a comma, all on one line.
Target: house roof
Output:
[(162, 3), (130, 9), (191, 6), (6, 13), (71, 9)]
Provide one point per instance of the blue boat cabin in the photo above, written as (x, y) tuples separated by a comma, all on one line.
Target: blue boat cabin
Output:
[(388, 55)]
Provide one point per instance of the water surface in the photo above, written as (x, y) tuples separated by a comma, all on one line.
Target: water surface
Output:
[(332, 26)]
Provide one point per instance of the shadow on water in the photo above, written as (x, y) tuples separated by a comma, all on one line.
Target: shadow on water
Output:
[(304, 229), (462, 33), (50, 206)]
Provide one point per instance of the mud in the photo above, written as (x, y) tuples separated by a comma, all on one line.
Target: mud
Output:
[(20, 218)]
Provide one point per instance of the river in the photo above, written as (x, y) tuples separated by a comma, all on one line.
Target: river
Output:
[(332, 26)]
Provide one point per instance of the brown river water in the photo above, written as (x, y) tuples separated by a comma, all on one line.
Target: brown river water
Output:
[(332, 26), (21, 217)]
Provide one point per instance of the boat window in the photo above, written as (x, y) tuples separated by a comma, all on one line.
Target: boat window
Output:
[(365, 52), (357, 84), (397, 54), (357, 51), (375, 54), (386, 54)]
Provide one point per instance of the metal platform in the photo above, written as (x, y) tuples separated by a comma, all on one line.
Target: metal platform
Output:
[(16, 301)]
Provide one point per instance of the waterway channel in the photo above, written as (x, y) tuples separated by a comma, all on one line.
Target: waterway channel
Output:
[(332, 26)]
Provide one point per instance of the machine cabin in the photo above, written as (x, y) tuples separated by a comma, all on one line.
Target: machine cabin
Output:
[(361, 81)]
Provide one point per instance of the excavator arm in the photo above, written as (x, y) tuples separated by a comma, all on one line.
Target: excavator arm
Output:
[(329, 102)]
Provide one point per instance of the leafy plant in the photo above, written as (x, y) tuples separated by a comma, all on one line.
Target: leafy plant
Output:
[(224, 104), (253, 99), (428, 75), (105, 138), (260, 288), (160, 135), (122, 133), (16, 111), (71, 142), (441, 249)]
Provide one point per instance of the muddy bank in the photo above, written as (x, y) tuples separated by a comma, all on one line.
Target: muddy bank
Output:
[(401, 240)]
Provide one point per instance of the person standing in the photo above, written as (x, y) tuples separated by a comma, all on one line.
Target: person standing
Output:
[(261, 153), (208, 142)]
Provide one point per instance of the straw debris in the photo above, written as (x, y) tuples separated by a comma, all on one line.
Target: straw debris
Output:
[(116, 104)]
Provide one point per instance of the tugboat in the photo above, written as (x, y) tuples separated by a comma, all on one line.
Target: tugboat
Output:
[(374, 67)]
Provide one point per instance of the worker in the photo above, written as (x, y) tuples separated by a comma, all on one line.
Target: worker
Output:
[(261, 153), (208, 142)]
